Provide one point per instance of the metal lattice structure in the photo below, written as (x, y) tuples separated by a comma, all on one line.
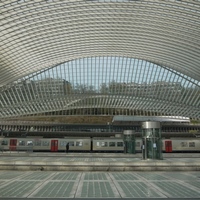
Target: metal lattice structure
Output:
[(70, 57)]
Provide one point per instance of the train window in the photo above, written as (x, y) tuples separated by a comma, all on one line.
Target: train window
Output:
[(79, 144), (45, 143), (37, 143), (120, 144), (137, 144), (111, 144), (71, 143), (184, 144), (4, 142), (63, 143), (29, 143), (191, 144), (104, 144), (98, 144), (21, 143)]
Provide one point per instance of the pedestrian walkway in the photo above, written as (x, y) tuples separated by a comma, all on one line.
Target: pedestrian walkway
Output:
[(114, 185)]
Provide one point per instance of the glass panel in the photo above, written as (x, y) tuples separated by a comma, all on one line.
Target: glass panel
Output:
[(137, 144), (21, 143), (111, 144), (191, 144), (79, 144), (184, 144), (63, 143), (4, 142), (104, 144), (45, 143), (120, 144), (128, 77), (71, 143), (30, 143), (37, 143)]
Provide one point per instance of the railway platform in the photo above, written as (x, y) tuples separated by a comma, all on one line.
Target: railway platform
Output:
[(97, 162), (30, 175)]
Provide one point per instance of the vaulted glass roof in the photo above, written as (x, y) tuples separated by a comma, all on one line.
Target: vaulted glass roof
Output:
[(100, 57)]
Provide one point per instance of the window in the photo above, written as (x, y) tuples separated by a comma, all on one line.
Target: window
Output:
[(63, 143), (71, 143), (191, 144), (38, 143), (120, 144), (111, 144), (79, 144), (29, 143), (4, 142), (183, 144), (137, 144), (104, 144), (45, 143), (21, 143)]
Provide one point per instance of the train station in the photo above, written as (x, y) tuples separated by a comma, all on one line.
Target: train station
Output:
[(99, 99)]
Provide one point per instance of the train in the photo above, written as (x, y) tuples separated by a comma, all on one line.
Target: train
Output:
[(95, 144)]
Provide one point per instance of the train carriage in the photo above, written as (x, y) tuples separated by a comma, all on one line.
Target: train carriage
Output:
[(181, 145), (17, 144), (75, 144), (96, 144), (108, 144)]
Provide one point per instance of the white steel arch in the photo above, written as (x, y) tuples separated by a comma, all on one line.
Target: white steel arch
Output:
[(40, 34)]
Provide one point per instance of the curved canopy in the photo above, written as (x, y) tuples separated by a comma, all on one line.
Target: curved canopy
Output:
[(37, 35)]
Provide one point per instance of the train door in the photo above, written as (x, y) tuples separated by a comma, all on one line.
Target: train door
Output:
[(13, 144), (54, 145), (168, 146)]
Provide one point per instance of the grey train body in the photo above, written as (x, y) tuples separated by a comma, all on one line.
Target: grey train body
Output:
[(95, 144)]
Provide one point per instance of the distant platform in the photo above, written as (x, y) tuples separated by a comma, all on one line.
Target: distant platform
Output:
[(123, 118), (97, 162)]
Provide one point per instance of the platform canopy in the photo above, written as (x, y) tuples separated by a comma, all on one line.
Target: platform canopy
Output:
[(100, 57)]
